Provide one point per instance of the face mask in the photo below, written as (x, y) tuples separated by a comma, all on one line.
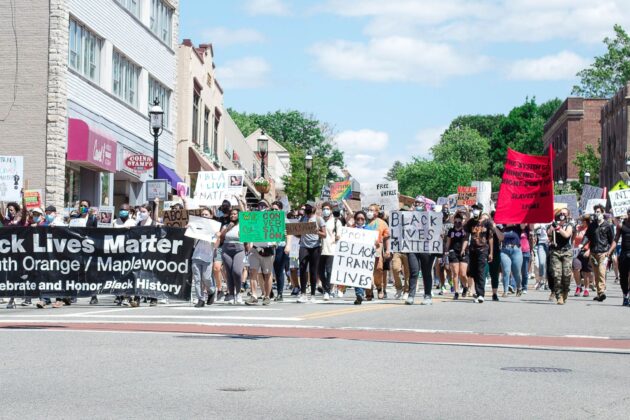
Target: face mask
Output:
[(142, 216), (220, 213), (561, 218), (326, 212), (476, 213), (370, 215), (419, 208), (37, 219), (50, 218), (599, 216), (458, 222), (83, 209), (123, 214)]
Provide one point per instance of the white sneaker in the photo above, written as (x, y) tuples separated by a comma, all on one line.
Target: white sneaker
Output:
[(427, 301), (302, 299), (340, 294), (405, 296), (480, 299), (164, 301), (312, 299), (398, 294), (326, 297), (239, 299)]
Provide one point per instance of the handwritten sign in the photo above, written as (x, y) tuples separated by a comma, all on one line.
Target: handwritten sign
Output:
[(590, 205), (620, 202), (571, 203), (467, 196), (215, 186), (202, 228), (176, 218), (298, 229), (353, 261), (416, 231), (261, 226), (157, 188), (590, 192), (384, 194), (484, 194), (11, 178), (32, 199)]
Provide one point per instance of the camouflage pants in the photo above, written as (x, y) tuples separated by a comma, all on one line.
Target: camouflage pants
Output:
[(560, 265)]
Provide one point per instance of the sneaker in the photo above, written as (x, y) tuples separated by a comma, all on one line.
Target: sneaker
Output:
[(537, 286), (229, 298), (11, 304), (510, 290), (251, 301), (312, 299), (200, 303), (211, 298), (441, 293), (135, 303), (398, 294), (358, 300), (602, 297), (586, 293), (480, 299), (560, 300), (27, 302), (295, 291), (626, 301), (302, 299), (578, 290), (42, 304), (94, 300), (465, 292), (519, 292), (153, 302), (266, 301), (495, 298), (326, 297), (409, 300), (164, 301), (524, 292), (126, 302), (320, 290), (504, 295), (456, 296), (427, 301), (405, 296), (220, 295), (239, 299), (593, 288), (452, 289), (279, 298), (552, 296)]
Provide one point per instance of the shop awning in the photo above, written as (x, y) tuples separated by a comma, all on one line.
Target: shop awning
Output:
[(164, 172), (89, 148)]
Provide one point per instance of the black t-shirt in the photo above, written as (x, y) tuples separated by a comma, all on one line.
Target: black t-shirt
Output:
[(562, 243), (457, 239), (480, 234), (625, 238)]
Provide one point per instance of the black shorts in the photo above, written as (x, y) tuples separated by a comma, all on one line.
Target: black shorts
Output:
[(586, 264), (455, 257)]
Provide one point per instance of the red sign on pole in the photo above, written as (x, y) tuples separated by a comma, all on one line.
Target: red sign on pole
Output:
[(139, 163)]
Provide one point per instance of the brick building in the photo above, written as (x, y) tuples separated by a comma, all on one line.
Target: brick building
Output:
[(614, 134), (574, 125)]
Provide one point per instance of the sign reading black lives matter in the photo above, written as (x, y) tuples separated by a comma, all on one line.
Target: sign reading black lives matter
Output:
[(416, 231), (68, 262), (353, 263)]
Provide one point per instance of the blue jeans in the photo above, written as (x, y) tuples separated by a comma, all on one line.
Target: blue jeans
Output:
[(527, 255), (359, 292), (542, 250), (511, 263), (279, 263)]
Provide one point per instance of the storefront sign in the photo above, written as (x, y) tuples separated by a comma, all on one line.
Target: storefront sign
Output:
[(139, 163), (89, 148), (11, 177)]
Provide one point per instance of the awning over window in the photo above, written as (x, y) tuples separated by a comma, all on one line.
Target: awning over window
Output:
[(164, 172), (90, 148)]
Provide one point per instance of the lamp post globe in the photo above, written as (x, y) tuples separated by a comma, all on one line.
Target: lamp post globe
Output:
[(587, 178)]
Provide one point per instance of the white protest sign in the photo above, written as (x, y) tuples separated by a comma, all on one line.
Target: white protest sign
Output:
[(78, 222), (106, 216), (442, 201), (590, 192), (590, 204), (215, 186), (202, 228), (353, 263), (484, 192), (11, 177), (385, 194), (452, 201), (571, 202), (416, 231), (620, 202)]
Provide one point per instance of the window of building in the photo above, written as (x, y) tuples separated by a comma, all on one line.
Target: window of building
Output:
[(206, 123), (84, 51), (163, 94), (195, 117), (215, 133), (125, 76), (161, 20), (132, 5)]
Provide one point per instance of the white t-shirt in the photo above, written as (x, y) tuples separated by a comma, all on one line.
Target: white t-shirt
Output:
[(127, 223), (203, 251), (328, 243)]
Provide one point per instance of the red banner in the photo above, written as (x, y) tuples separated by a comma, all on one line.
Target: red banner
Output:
[(526, 194)]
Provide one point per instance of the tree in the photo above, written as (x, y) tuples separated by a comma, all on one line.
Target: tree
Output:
[(295, 183), (392, 174), (464, 145), (486, 125), (433, 179), (588, 161), (610, 71)]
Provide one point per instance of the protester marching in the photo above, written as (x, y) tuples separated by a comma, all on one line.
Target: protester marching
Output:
[(215, 248)]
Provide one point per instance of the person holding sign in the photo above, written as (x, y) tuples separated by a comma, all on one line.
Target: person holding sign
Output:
[(333, 227), (601, 236), (233, 256), (202, 279), (310, 250), (281, 259), (560, 255), (382, 249), (623, 234), (261, 264), (481, 244)]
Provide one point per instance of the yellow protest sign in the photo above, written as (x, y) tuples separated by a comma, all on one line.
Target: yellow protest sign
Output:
[(621, 185)]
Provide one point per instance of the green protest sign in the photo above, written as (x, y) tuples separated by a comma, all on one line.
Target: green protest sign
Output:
[(261, 226)]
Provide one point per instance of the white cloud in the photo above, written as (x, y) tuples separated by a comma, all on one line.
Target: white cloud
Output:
[(362, 141), (247, 72), (425, 139), (224, 36), (370, 167), (394, 58), (561, 66), (267, 7)]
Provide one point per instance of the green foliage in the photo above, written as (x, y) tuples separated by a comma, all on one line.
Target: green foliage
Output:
[(588, 161), (486, 125), (610, 71), (464, 145), (392, 174), (295, 184), (433, 179)]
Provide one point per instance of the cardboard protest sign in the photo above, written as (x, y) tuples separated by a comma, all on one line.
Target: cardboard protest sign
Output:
[(176, 218), (261, 226), (32, 199), (202, 228), (215, 186), (11, 178), (353, 262), (416, 231), (298, 229), (589, 192), (571, 203), (526, 194), (385, 194), (106, 216), (590, 205), (340, 190), (466, 196), (619, 202), (484, 193)]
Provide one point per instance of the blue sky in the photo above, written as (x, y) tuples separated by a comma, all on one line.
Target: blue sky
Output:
[(390, 75)]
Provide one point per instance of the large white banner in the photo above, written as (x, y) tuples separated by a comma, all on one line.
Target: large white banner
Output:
[(484, 192), (11, 178), (385, 194), (214, 187), (589, 192), (353, 263), (620, 202), (416, 231)]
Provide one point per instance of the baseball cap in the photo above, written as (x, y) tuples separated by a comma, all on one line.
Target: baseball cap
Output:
[(52, 209), (37, 210)]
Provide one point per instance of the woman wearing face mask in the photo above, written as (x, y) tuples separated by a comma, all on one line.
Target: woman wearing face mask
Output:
[(561, 255), (143, 215), (233, 256), (542, 250), (203, 284), (84, 213), (601, 237), (358, 221), (122, 221), (457, 252), (374, 222), (481, 240), (582, 270), (420, 262)]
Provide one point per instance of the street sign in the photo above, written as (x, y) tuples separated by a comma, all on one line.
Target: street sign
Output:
[(139, 163), (156, 188)]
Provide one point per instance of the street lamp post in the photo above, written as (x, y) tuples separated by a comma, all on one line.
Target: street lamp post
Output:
[(560, 185), (587, 178), (308, 165), (263, 144), (628, 168), (156, 119)]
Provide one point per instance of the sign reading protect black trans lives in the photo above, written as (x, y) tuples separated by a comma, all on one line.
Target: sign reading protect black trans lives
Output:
[(59, 261), (416, 232)]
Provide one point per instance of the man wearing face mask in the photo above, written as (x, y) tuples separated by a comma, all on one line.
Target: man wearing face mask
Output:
[(561, 255), (333, 228), (601, 235), (122, 221), (481, 243)]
